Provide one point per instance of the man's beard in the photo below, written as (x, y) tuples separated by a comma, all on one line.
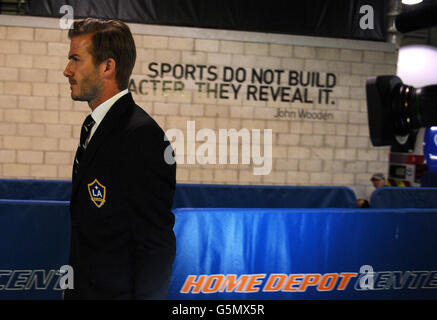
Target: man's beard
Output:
[(89, 89)]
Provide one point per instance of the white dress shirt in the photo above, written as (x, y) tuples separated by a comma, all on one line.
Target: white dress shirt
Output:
[(99, 113)]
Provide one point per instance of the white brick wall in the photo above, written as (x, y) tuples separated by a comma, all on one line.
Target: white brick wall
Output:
[(40, 125)]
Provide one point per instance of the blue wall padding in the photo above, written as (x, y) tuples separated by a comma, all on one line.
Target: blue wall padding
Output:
[(411, 197), (203, 195)]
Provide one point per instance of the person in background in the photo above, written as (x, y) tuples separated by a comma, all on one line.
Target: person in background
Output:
[(378, 180)]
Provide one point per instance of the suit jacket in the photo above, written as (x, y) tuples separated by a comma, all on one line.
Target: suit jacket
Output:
[(122, 242)]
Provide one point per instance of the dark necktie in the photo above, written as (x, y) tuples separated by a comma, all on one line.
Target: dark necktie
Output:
[(84, 134)]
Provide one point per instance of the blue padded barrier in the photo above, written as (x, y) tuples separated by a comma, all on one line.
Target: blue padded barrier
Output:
[(241, 196), (267, 253), (34, 244), (411, 197), (203, 195), (26, 189), (245, 243), (244, 246)]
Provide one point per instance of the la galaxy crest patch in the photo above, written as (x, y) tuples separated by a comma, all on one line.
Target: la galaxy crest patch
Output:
[(97, 193)]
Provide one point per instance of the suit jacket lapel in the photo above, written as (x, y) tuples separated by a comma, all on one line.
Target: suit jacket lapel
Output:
[(105, 128)]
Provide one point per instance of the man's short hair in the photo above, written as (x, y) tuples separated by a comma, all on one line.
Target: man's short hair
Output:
[(110, 39)]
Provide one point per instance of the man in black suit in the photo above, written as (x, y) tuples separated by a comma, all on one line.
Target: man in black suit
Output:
[(122, 243)]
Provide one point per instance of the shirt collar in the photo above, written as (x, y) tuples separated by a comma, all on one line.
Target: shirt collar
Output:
[(99, 113)]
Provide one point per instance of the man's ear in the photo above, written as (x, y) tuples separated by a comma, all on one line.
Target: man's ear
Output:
[(109, 67)]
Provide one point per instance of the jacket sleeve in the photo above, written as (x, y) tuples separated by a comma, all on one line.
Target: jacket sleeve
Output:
[(149, 185)]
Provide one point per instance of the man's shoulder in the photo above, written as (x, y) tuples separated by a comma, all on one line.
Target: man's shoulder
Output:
[(140, 118), (135, 123), (139, 122)]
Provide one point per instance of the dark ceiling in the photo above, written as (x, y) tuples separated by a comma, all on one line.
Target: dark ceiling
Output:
[(427, 36)]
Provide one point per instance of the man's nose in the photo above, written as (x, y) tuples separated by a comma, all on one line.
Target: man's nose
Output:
[(67, 71)]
